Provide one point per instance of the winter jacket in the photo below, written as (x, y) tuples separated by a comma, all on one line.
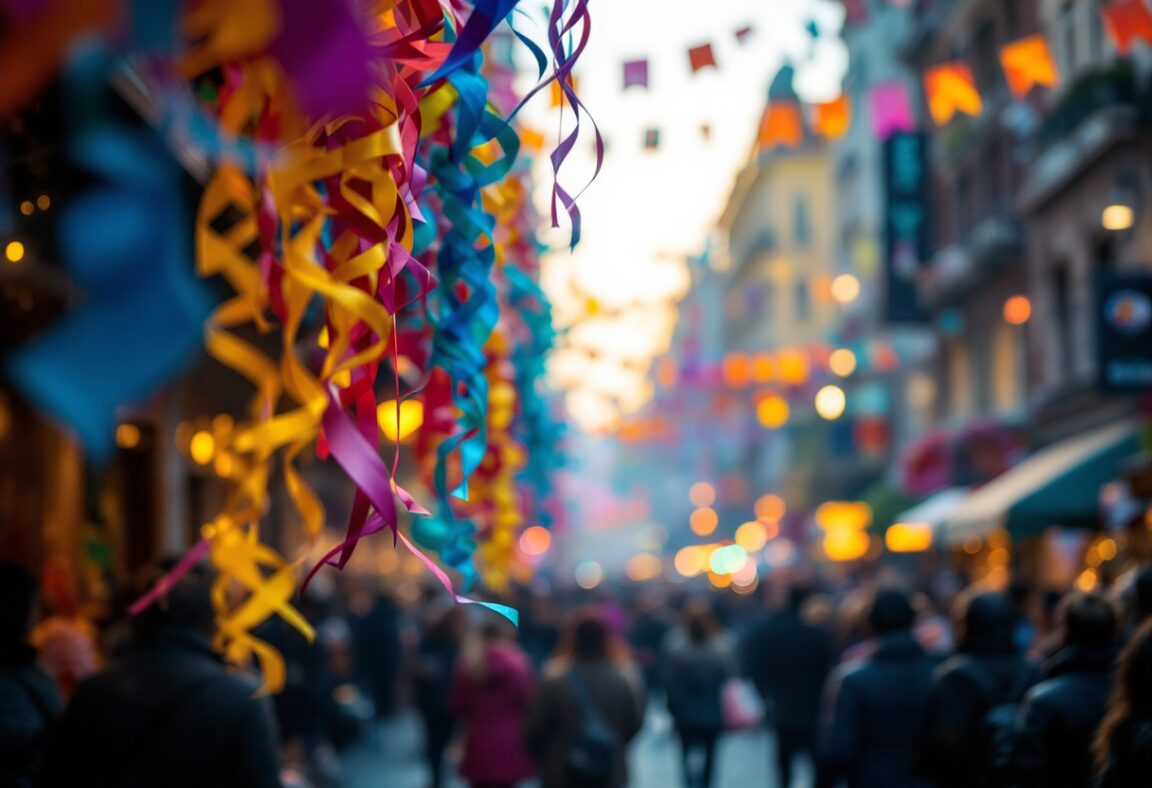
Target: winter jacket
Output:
[(875, 710), (29, 708), (492, 709), (694, 675), (555, 717), (1129, 756), (170, 714), (789, 660), (964, 689), (1059, 718)]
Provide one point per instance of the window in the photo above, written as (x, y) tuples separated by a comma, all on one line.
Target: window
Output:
[(802, 226), (959, 378), (1007, 371), (803, 301)]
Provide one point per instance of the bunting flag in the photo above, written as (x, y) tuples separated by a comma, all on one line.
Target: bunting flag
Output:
[(1128, 21), (744, 33), (531, 140), (636, 73), (832, 118), (651, 139), (781, 126), (1028, 63), (701, 57), (951, 88), (558, 89), (891, 109)]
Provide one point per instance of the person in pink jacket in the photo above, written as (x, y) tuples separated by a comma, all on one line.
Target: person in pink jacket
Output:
[(490, 693)]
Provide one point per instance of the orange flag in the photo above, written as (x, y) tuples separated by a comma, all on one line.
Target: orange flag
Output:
[(950, 89), (1027, 63), (558, 92), (1128, 21), (781, 126), (531, 140), (831, 119)]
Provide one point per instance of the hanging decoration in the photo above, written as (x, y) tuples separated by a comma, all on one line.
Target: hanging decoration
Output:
[(636, 73), (781, 126), (1128, 21), (1028, 63), (950, 89), (832, 118), (701, 57)]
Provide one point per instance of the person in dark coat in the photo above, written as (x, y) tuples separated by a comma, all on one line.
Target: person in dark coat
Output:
[(29, 701), (169, 713), (432, 678), (376, 645), (789, 660), (698, 661), (1060, 714), (1123, 745), (876, 706), (987, 673), (590, 663)]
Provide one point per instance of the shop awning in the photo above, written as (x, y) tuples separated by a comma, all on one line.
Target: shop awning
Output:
[(935, 509), (1059, 485)]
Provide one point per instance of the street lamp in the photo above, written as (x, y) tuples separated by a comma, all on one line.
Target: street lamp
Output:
[(1119, 213)]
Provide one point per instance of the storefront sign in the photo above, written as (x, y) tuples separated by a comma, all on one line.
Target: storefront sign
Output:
[(907, 239), (1124, 321)]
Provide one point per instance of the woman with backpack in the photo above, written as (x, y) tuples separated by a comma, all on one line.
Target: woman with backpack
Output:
[(975, 696), (1124, 741), (698, 662), (586, 710)]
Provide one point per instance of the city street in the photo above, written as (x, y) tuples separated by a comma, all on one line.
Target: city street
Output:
[(743, 758)]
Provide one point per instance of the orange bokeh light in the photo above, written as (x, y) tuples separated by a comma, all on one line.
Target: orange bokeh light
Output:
[(536, 540), (703, 521), (702, 494), (1017, 310), (771, 508)]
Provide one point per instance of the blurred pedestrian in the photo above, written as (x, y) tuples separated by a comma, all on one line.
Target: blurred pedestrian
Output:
[(169, 713), (432, 671), (586, 710), (65, 640), (698, 662), (1123, 744), (649, 628), (975, 697), (1061, 713), (376, 644), (29, 701), (876, 706), (789, 659), (490, 695)]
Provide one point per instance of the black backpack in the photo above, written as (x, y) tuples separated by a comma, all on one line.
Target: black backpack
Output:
[(998, 735), (590, 758)]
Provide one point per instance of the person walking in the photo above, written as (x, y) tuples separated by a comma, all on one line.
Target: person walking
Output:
[(586, 710), (1123, 746), (698, 661), (29, 700), (490, 694), (975, 694), (170, 712), (877, 704), (1061, 713), (435, 662), (789, 660)]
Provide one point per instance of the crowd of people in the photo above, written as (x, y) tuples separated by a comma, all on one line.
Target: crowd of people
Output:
[(868, 683)]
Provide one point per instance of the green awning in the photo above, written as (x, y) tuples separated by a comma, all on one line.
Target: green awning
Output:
[(1059, 485)]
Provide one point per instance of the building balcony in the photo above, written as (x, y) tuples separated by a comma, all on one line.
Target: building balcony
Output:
[(992, 247)]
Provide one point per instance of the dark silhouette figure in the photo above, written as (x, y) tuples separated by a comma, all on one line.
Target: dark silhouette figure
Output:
[(1124, 741), (170, 712), (29, 702)]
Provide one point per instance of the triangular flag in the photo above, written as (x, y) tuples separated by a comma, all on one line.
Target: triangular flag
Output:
[(950, 89), (701, 57), (1027, 63), (743, 34), (891, 109), (780, 126), (831, 118), (558, 92), (1128, 21), (531, 140), (651, 139), (636, 73)]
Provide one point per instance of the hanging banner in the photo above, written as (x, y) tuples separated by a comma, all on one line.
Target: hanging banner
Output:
[(891, 109), (781, 126), (1124, 331), (1128, 21), (1028, 63), (951, 88), (907, 242)]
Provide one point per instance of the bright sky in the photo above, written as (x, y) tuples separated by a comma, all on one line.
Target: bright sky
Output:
[(648, 210)]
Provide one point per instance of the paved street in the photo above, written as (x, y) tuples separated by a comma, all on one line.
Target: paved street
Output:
[(743, 758)]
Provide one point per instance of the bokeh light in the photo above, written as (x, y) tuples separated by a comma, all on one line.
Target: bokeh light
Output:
[(842, 362), (702, 494), (536, 540), (400, 426), (643, 567), (845, 545), (1117, 217), (127, 436), (908, 537), (703, 521), (831, 402), (793, 367), (589, 574), (773, 411), (691, 560), (752, 536), (844, 516), (202, 447), (1017, 310), (845, 289), (771, 507), (14, 251), (780, 552)]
